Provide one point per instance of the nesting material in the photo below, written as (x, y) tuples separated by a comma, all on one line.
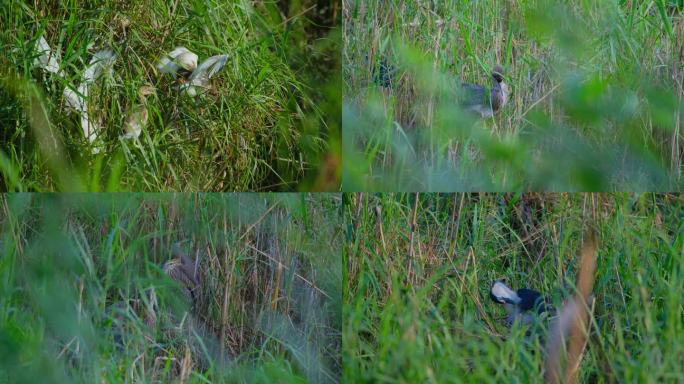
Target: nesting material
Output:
[(179, 58)]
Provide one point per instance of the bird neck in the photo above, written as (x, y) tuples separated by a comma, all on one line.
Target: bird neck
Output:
[(497, 97)]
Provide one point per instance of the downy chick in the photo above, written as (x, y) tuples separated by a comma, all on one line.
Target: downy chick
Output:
[(138, 115)]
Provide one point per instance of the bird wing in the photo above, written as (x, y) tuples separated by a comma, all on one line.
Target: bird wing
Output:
[(473, 94), (209, 67), (101, 61), (529, 298), (174, 60), (501, 293), (201, 75)]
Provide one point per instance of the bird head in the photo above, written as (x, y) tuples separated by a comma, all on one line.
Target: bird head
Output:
[(146, 90), (497, 73), (182, 269), (502, 294)]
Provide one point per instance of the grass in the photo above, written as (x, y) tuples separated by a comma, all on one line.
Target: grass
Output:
[(596, 102), (419, 268), (266, 124), (76, 265)]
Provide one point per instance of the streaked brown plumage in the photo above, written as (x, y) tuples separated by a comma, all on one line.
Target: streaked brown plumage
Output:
[(138, 115), (182, 269)]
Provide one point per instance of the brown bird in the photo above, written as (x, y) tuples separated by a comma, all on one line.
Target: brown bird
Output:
[(203, 344), (183, 270), (138, 116), (486, 102)]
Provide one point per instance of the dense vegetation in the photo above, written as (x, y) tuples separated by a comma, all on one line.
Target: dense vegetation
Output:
[(269, 121), (78, 273), (419, 269), (595, 104)]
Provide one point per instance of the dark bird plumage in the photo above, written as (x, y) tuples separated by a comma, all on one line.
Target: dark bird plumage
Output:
[(523, 304), (383, 72), (486, 102)]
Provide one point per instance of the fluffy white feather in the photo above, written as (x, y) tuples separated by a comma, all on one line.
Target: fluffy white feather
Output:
[(73, 101), (101, 62), (76, 100), (179, 58), (47, 59), (201, 75)]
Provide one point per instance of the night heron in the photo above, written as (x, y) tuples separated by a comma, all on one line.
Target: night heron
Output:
[(486, 102), (205, 347), (523, 305), (183, 270)]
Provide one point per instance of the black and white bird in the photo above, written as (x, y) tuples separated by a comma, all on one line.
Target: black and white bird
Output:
[(523, 305)]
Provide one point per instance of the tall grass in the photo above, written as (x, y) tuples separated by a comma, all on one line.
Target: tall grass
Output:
[(419, 268), (263, 126), (596, 103), (76, 274)]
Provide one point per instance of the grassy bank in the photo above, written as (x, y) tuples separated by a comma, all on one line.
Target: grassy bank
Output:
[(419, 268), (265, 123), (78, 274), (595, 103)]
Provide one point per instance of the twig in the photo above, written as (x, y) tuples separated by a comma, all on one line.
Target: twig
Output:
[(573, 320), (258, 221), (287, 268), (540, 99)]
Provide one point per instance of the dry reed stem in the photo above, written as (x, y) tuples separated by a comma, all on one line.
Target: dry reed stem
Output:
[(186, 365), (573, 320), (287, 268)]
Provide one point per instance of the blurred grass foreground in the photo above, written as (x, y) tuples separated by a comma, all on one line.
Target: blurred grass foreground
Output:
[(84, 297), (268, 119), (595, 103), (417, 306)]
